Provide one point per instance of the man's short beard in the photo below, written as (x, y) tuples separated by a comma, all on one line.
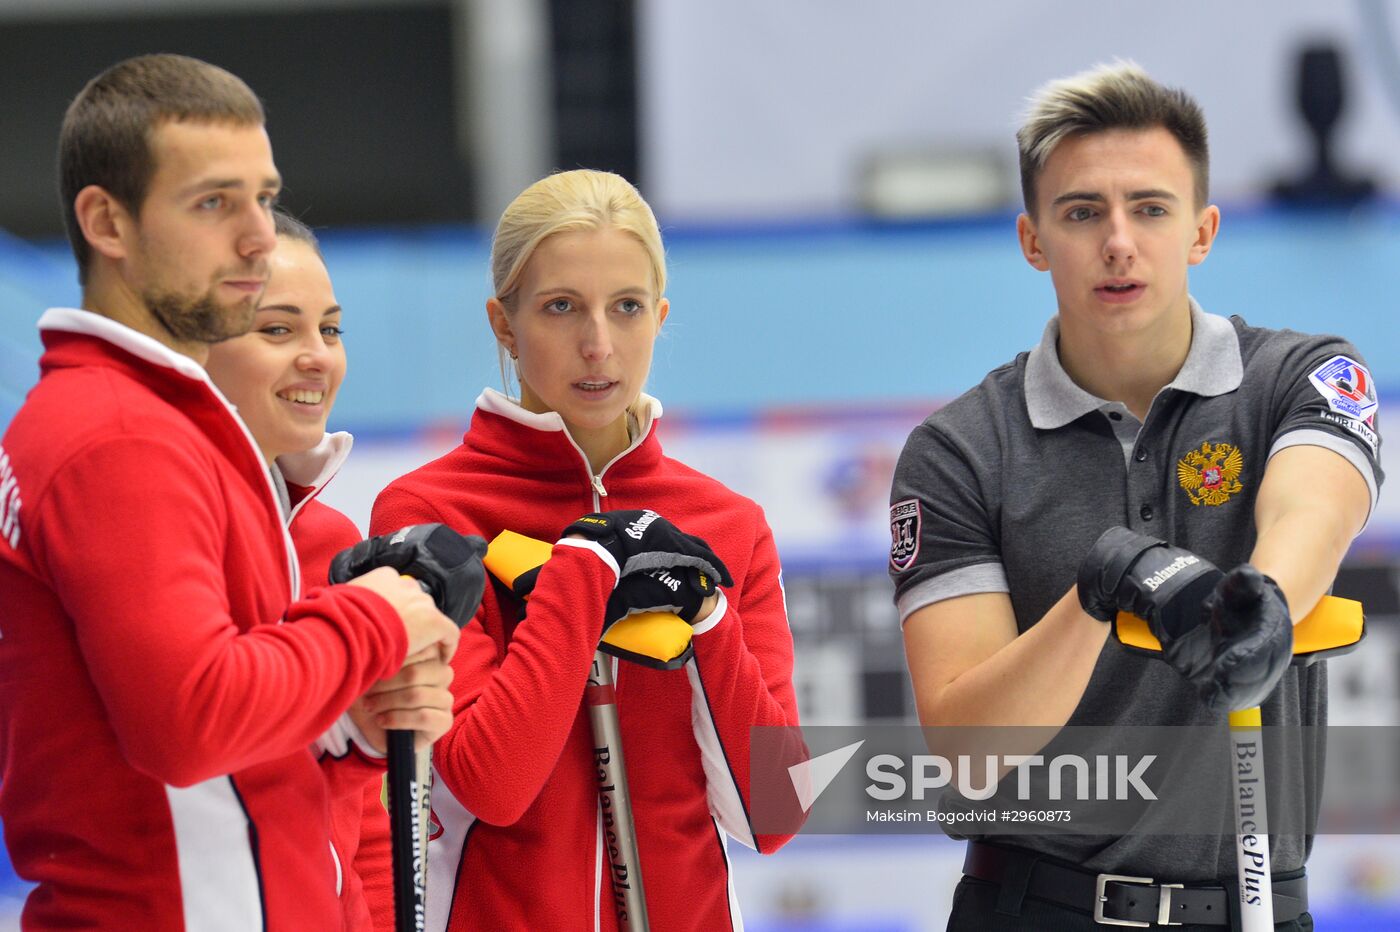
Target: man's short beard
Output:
[(199, 320)]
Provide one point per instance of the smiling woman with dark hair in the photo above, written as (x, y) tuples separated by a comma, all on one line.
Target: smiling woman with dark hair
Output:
[(283, 377)]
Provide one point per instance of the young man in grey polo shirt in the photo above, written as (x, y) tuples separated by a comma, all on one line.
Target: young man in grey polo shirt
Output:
[(1139, 409)]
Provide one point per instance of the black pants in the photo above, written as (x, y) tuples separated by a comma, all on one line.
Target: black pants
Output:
[(975, 910)]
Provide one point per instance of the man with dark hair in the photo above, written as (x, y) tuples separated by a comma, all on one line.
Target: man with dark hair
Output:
[(106, 135), (162, 679), (1026, 512)]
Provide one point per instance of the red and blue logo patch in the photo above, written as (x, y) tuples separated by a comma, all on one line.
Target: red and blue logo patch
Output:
[(1347, 387)]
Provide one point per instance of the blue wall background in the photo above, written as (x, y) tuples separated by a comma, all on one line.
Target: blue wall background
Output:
[(805, 316)]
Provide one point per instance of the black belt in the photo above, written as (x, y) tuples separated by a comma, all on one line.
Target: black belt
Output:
[(1116, 900)]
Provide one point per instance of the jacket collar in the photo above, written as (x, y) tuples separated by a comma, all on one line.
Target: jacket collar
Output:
[(502, 429), (86, 323), (79, 337), (648, 411), (308, 472)]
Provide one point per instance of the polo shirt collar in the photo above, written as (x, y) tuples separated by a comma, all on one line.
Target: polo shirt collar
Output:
[(1213, 367)]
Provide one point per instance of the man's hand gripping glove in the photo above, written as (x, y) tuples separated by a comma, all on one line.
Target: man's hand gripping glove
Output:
[(1230, 635), (446, 564), (660, 568)]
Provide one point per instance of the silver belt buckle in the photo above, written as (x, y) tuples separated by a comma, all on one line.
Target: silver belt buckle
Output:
[(1100, 899), (1164, 904)]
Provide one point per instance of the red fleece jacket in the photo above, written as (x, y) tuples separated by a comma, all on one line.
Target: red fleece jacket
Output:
[(517, 844), (320, 532), (161, 684)]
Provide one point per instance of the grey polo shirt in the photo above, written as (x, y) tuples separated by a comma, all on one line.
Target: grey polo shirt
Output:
[(1005, 489)]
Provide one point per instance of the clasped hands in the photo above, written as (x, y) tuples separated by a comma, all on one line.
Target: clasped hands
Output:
[(1229, 634)]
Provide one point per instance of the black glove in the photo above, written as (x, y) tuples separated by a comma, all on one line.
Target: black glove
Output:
[(446, 564), (682, 591), (1163, 585), (1253, 634), (643, 540), (1229, 635)]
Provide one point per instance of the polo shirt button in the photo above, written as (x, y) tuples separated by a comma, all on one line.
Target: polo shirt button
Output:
[(1115, 415), (1141, 455), (1146, 512)]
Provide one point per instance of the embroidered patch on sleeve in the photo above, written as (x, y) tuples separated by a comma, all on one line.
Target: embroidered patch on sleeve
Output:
[(905, 521), (1347, 387)]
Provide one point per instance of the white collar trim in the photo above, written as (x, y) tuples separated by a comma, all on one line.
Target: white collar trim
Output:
[(88, 323), (494, 402), (315, 467)]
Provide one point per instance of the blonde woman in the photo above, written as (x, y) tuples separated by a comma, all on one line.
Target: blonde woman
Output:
[(579, 276)]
